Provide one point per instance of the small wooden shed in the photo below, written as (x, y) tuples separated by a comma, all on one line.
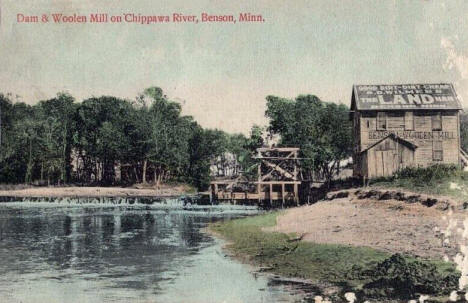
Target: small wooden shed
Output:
[(402, 125), (387, 156)]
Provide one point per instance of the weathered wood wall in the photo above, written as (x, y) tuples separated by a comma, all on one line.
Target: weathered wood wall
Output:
[(423, 135), (386, 158)]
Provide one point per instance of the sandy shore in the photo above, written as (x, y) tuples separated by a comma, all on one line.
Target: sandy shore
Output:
[(392, 226), (96, 191)]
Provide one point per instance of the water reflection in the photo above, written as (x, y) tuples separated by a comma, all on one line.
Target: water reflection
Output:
[(120, 254)]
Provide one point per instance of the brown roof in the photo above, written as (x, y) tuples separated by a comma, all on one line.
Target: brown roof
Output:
[(396, 138)]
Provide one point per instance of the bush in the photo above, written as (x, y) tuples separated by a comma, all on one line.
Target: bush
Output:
[(431, 173), (397, 277), (421, 176)]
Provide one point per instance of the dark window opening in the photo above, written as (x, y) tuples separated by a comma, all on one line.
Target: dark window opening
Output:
[(381, 121), (437, 151), (437, 121), (409, 121)]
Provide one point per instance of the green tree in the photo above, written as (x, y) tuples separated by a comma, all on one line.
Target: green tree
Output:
[(11, 162), (320, 129), (19, 146), (256, 138), (56, 119), (203, 148), (219, 141), (464, 130), (167, 142), (102, 139)]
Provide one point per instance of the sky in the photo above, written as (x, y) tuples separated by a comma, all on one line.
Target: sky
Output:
[(222, 72)]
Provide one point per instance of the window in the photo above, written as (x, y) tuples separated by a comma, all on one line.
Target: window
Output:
[(381, 121), (409, 121), (436, 121), (437, 151)]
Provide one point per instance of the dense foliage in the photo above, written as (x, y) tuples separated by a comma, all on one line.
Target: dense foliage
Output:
[(399, 277), (464, 130), (424, 175), (107, 140), (322, 130)]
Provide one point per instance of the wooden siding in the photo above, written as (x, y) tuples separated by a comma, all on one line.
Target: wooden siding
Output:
[(387, 157), (422, 135)]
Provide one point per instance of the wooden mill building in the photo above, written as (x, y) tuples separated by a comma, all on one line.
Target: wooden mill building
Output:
[(396, 126)]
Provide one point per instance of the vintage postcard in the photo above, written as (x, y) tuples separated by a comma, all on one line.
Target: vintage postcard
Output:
[(171, 151)]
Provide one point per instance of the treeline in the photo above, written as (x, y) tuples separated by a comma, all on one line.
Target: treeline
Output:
[(107, 140)]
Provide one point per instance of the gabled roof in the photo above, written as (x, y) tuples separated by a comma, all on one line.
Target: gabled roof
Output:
[(440, 96), (395, 138)]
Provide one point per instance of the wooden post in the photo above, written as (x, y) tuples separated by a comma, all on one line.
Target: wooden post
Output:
[(211, 194), (1, 128), (271, 194), (216, 191), (258, 192), (282, 195), (296, 194), (295, 166), (259, 172)]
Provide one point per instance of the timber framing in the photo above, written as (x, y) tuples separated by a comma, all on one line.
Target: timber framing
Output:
[(277, 180)]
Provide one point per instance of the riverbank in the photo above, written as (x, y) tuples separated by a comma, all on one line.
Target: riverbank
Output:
[(375, 219), (165, 190), (350, 244)]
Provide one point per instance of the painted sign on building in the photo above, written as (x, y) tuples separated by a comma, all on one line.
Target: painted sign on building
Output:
[(414, 135), (406, 97)]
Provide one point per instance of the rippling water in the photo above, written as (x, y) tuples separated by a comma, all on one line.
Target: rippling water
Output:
[(51, 252)]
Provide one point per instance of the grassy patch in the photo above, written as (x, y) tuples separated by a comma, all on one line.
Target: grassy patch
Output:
[(337, 264), (432, 180)]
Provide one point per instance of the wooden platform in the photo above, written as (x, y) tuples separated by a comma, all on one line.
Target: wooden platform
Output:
[(277, 179)]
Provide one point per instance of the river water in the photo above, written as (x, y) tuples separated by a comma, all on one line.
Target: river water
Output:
[(55, 252)]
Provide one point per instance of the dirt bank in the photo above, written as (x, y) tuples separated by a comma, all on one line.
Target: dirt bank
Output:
[(165, 190), (390, 225)]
